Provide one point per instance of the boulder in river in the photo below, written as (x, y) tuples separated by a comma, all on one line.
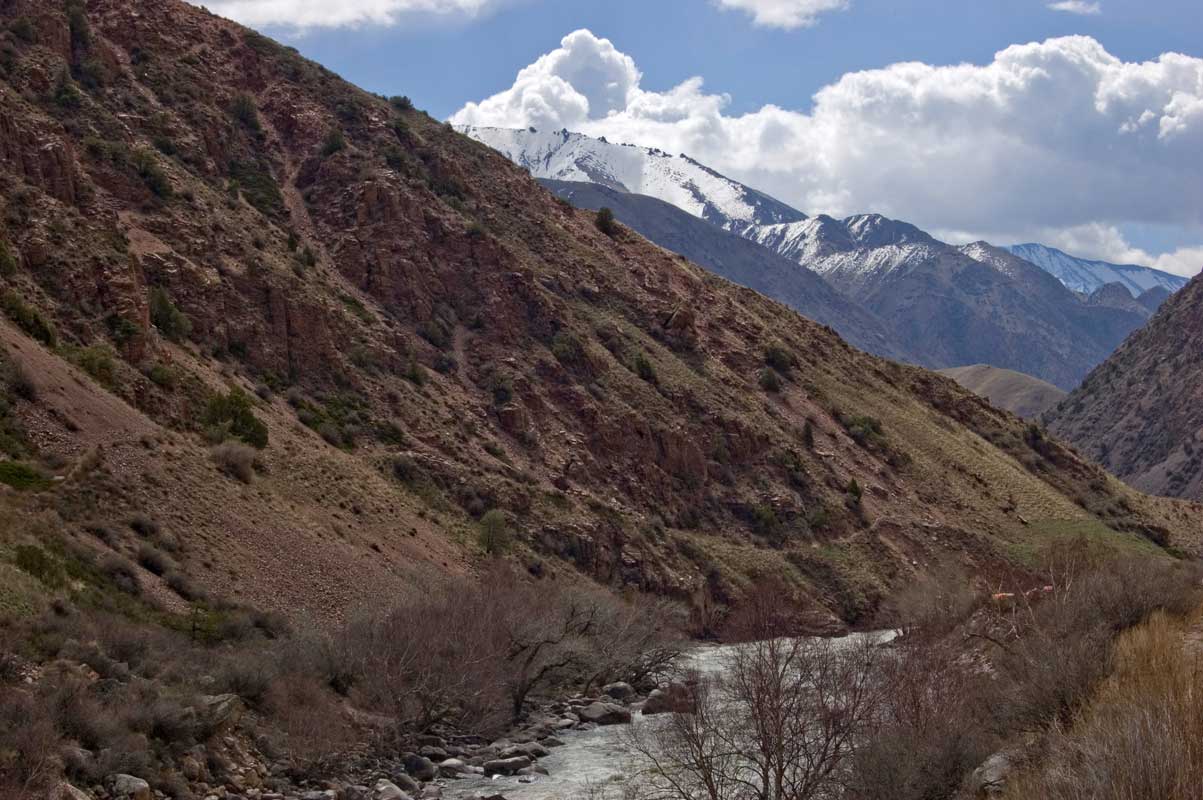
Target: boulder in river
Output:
[(620, 691), (605, 714), (507, 766), (420, 767)]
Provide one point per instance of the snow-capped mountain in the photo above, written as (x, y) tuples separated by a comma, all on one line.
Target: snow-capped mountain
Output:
[(679, 180), (940, 305), (1086, 276)]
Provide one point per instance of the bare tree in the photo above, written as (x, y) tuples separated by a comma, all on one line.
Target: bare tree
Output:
[(780, 725)]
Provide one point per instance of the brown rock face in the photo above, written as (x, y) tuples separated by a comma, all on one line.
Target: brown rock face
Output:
[(39, 157)]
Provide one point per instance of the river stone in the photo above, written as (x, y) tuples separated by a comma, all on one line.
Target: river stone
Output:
[(676, 698), (565, 723), (452, 767), (387, 790), (435, 754), (606, 714), (506, 766), (420, 767), (619, 690), (406, 783), (127, 786), (532, 749)]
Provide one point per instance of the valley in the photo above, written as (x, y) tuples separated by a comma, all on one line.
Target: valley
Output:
[(348, 455)]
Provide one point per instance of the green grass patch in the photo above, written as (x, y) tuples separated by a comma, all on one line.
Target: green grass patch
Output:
[(1041, 534), (23, 477)]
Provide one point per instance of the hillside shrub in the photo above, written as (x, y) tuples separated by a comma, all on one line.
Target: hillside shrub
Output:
[(644, 368), (23, 476), (779, 358), (27, 318), (243, 109), (335, 142), (232, 416), (770, 380), (606, 223), (236, 460), (146, 164), (494, 537), (258, 186), (8, 264)]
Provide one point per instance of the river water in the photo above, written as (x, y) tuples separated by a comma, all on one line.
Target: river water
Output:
[(595, 763)]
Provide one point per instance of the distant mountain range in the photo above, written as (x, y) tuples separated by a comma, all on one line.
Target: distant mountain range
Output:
[(905, 294), (1086, 276)]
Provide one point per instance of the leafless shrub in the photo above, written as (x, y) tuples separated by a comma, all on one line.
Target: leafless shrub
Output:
[(310, 723), (472, 653), (29, 745), (236, 460), (930, 729)]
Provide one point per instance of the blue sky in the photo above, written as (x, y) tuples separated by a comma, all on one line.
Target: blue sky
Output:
[(1099, 156), (443, 64)]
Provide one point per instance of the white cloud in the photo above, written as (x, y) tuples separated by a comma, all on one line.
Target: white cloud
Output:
[(787, 14), (345, 13), (1047, 136), (1077, 7)]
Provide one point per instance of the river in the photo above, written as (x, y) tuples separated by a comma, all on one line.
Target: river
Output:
[(594, 760)]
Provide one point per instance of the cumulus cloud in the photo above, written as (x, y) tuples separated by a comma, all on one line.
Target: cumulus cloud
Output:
[(786, 14), (1076, 7), (347, 13), (1052, 135)]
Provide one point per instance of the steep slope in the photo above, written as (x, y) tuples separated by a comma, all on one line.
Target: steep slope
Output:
[(739, 260), (679, 180), (1022, 395), (204, 232), (1140, 413), (1086, 276)]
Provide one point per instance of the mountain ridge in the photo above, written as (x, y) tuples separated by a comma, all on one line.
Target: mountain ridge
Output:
[(1088, 275)]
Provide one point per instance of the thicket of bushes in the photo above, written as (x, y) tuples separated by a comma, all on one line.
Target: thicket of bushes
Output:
[(469, 653)]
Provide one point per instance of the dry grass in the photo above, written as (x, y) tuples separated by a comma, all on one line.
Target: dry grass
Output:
[(1142, 736)]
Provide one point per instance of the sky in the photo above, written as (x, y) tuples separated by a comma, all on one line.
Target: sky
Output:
[(1075, 123)]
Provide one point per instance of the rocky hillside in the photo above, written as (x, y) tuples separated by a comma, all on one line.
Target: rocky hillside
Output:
[(740, 260), (1139, 413), (309, 348), (1020, 394)]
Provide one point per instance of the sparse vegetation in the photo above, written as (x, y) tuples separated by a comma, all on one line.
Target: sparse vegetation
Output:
[(165, 315), (23, 476), (8, 264), (334, 142), (770, 380), (27, 318), (243, 109), (606, 223), (232, 416), (236, 460), (495, 538)]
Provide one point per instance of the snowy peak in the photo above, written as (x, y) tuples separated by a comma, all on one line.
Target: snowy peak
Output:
[(874, 230), (679, 180), (1087, 276)]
